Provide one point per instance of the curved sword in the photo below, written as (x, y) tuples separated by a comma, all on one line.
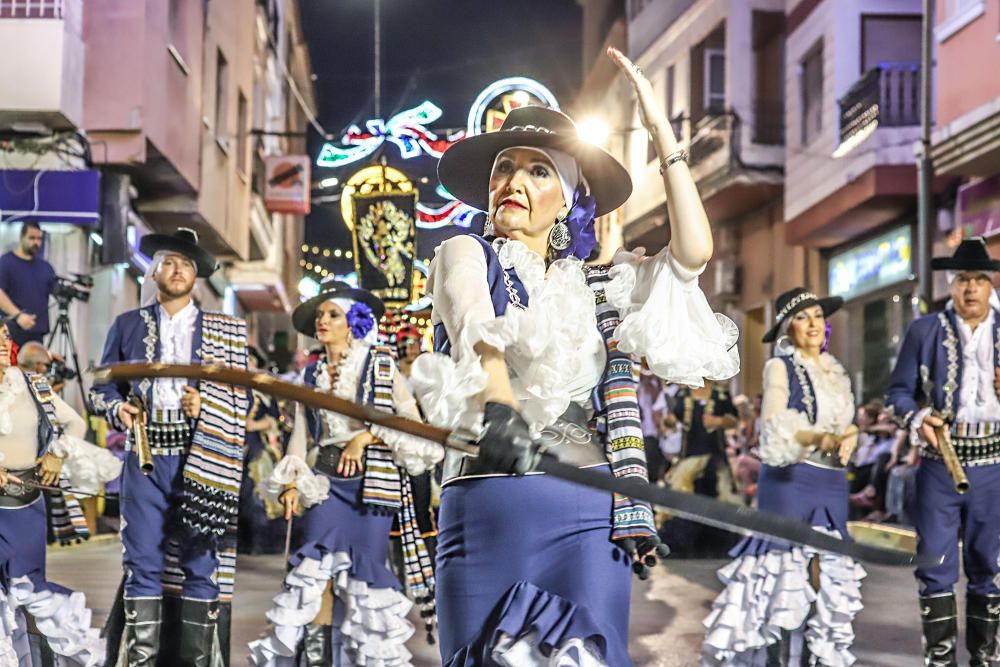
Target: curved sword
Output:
[(735, 518)]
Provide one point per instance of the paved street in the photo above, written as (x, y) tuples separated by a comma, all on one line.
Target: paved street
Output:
[(666, 613)]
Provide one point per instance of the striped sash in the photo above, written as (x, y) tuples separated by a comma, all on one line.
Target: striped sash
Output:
[(617, 415), (214, 464)]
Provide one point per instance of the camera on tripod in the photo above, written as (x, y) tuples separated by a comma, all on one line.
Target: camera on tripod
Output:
[(78, 287), (59, 372)]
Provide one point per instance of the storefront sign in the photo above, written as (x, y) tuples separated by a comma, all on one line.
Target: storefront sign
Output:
[(978, 207), (286, 183), (50, 196), (878, 263)]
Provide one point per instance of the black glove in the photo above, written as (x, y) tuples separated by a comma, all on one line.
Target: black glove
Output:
[(644, 551), (506, 442)]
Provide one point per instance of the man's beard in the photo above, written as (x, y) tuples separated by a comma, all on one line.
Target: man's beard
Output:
[(174, 292), (30, 250)]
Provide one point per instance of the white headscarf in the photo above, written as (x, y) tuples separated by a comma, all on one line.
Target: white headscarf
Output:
[(566, 167), (994, 299)]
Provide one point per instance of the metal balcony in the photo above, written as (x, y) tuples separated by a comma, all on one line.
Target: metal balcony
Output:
[(886, 96), (31, 9)]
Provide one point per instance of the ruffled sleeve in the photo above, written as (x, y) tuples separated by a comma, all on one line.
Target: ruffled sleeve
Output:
[(414, 454), (666, 319), (312, 488), (448, 386), (780, 424), (86, 466)]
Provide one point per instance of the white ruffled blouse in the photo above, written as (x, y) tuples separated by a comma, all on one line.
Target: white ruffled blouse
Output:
[(553, 349), (415, 455), (835, 409)]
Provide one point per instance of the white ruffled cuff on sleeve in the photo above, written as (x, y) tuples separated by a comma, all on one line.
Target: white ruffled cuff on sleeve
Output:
[(313, 489), (414, 454), (447, 389), (778, 444), (916, 439), (85, 466), (667, 320)]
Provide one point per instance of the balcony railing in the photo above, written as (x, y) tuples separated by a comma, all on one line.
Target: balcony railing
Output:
[(887, 95), (711, 134), (769, 122), (31, 9)]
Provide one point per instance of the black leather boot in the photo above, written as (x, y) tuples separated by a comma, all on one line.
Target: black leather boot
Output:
[(939, 616), (198, 624), (982, 620), (779, 653), (316, 647), (142, 630)]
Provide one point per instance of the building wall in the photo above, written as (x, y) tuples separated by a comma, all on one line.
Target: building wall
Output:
[(811, 171), (962, 87), (136, 91), (223, 199)]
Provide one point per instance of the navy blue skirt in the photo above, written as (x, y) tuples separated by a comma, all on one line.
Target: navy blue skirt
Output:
[(343, 523), (804, 492), (24, 531), (523, 555)]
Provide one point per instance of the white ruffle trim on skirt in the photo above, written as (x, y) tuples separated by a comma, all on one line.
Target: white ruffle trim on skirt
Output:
[(374, 630), (8, 630), (63, 619), (767, 593), (524, 652)]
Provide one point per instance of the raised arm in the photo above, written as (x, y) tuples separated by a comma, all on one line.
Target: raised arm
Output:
[(690, 233)]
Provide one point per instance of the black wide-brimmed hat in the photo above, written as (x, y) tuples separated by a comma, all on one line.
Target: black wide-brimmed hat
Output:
[(304, 315), (970, 255), (465, 168), (183, 242), (792, 301)]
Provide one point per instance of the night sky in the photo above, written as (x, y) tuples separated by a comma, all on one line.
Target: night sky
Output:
[(445, 51)]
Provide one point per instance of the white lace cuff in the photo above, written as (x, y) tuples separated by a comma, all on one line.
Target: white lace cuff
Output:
[(447, 389), (778, 444), (916, 439), (86, 466), (313, 489), (667, 320), (414, 454)]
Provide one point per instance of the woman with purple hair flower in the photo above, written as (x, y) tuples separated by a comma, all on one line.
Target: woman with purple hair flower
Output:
[(340, 604), (787, 605), (536, 345)]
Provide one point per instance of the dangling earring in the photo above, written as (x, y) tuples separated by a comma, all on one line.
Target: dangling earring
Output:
[(560, 237), (784, 347), (488, 227)]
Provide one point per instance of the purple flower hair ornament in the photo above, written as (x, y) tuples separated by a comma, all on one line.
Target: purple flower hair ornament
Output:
[(580, 220), (360, 319)]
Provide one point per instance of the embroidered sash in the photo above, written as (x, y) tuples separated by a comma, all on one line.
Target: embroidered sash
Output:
[(214, 463)]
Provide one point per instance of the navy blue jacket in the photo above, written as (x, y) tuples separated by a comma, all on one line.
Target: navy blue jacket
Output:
[(928, 370), (131, 339)]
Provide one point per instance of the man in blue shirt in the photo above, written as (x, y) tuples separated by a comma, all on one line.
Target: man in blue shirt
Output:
[(26, 280)]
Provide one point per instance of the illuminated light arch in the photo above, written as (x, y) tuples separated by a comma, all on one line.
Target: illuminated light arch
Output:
[(368, 180), (509, 86)]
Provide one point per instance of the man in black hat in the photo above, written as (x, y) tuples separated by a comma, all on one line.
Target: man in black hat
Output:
[(944, 378), (178, 518)]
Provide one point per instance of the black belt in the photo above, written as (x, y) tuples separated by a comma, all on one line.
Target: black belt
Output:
[(823, 459), (15, 495), (569, 440)]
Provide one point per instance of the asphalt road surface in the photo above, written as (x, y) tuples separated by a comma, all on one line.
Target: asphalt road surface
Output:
[(667, 610)]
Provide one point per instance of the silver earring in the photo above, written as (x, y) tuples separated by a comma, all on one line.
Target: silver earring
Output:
[(488, 227), (560, 238)]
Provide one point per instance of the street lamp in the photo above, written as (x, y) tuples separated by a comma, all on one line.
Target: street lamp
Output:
[(593, 130)]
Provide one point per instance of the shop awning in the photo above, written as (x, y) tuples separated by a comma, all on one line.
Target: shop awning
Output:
[(50, 196)]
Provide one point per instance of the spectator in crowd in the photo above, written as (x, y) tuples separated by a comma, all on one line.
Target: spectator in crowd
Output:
[(26, 280), (744, 459), (652, 408), (869, 473)]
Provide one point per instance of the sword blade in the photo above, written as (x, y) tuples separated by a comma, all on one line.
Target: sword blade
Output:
[(734, 518)]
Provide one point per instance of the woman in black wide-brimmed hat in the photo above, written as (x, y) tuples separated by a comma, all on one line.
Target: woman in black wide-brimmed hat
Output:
[(340, 604), (533, 570), (807, 437)]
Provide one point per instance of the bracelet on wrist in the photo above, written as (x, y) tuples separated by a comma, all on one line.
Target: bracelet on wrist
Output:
[(679, 155)]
